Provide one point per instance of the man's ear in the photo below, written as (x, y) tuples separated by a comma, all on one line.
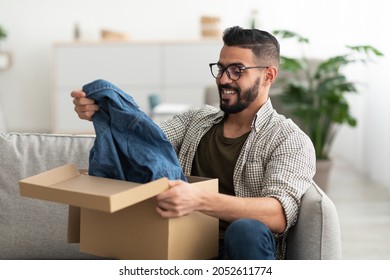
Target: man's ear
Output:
[(271, 74)]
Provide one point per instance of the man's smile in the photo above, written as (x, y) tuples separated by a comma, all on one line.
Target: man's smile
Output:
[(224, 90)]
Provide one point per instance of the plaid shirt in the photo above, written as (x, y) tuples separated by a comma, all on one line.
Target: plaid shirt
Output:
[(277, 159)]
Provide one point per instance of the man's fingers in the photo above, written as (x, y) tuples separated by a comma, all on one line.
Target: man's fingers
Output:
[(77, 93)]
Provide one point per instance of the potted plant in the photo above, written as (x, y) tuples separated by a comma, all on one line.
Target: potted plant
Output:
[(314, 93)]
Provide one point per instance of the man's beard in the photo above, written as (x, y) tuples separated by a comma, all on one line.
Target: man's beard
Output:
[(244, 99)]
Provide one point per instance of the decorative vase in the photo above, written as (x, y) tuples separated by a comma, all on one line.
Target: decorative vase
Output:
[(321, 177), (5, 60)]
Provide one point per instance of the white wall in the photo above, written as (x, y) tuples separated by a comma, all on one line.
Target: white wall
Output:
[(34, 25)]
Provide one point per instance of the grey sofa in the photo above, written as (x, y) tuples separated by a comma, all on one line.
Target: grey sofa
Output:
[(35, 229)]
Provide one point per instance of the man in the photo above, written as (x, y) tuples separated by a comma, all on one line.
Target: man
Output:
[(263, 161)]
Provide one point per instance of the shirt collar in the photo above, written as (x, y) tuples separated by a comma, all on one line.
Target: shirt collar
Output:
[(263, 115)]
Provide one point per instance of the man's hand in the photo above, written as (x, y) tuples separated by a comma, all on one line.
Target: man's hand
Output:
[(182, 199), (84, 107), (179, 200)]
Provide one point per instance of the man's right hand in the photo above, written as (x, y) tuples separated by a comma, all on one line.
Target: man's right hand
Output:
[(84, 107)]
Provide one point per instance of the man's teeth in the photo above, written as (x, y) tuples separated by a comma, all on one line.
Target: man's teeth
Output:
[(228, 91)]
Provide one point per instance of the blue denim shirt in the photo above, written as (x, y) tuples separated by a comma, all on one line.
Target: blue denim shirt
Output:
[(129, 145)]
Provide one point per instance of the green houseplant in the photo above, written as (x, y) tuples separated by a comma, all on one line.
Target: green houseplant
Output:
[(316, 94)]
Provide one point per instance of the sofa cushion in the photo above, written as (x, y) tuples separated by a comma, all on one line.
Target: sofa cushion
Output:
[(31, 228), (2, 119)]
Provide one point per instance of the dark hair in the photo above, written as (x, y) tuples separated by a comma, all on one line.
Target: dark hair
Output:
[(263, 45)]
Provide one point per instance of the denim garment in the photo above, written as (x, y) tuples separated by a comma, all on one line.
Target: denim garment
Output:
[(247, 239), (129, 145)]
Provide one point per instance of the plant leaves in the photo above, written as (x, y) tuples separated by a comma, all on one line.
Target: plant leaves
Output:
[(291, 64), (287, 34), (316, 97), (367, 49)]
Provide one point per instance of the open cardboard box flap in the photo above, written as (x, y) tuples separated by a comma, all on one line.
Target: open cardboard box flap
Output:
[(67, 185)]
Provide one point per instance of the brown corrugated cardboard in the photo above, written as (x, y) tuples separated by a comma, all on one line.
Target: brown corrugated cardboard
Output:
[(117, 219)]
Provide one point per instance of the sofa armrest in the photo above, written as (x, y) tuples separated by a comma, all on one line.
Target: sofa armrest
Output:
[(316, 235)]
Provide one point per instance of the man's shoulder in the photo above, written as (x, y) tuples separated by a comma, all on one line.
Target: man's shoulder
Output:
[(205, 112), (194, 117), (283, 123), (208, 109), (282, 128)]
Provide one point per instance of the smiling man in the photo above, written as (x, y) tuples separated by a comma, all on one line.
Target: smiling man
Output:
[(263, 161)]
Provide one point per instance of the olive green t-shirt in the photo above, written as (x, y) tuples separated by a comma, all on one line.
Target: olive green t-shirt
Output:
[(216, 157)]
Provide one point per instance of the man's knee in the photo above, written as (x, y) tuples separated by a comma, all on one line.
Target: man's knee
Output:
[(249, 239), (247, 228)]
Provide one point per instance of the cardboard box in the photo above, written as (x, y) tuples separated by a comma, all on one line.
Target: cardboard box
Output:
[(117, 219)]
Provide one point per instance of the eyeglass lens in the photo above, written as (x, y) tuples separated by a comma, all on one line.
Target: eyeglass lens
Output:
[(232, 71)]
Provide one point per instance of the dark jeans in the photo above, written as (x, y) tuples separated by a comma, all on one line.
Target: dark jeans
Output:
[(247, 239)]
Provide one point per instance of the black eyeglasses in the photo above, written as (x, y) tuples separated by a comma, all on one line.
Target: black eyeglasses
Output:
[(233, 71)]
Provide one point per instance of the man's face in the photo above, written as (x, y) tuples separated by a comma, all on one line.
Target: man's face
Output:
[(242, 100), (235, 96)]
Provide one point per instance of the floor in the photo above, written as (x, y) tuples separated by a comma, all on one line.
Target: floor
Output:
[(364, 213)]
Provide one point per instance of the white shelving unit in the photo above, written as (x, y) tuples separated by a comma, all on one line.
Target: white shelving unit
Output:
[(176, 71)]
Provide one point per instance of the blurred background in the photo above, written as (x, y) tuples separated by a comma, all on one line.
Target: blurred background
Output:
[(38, 31)]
